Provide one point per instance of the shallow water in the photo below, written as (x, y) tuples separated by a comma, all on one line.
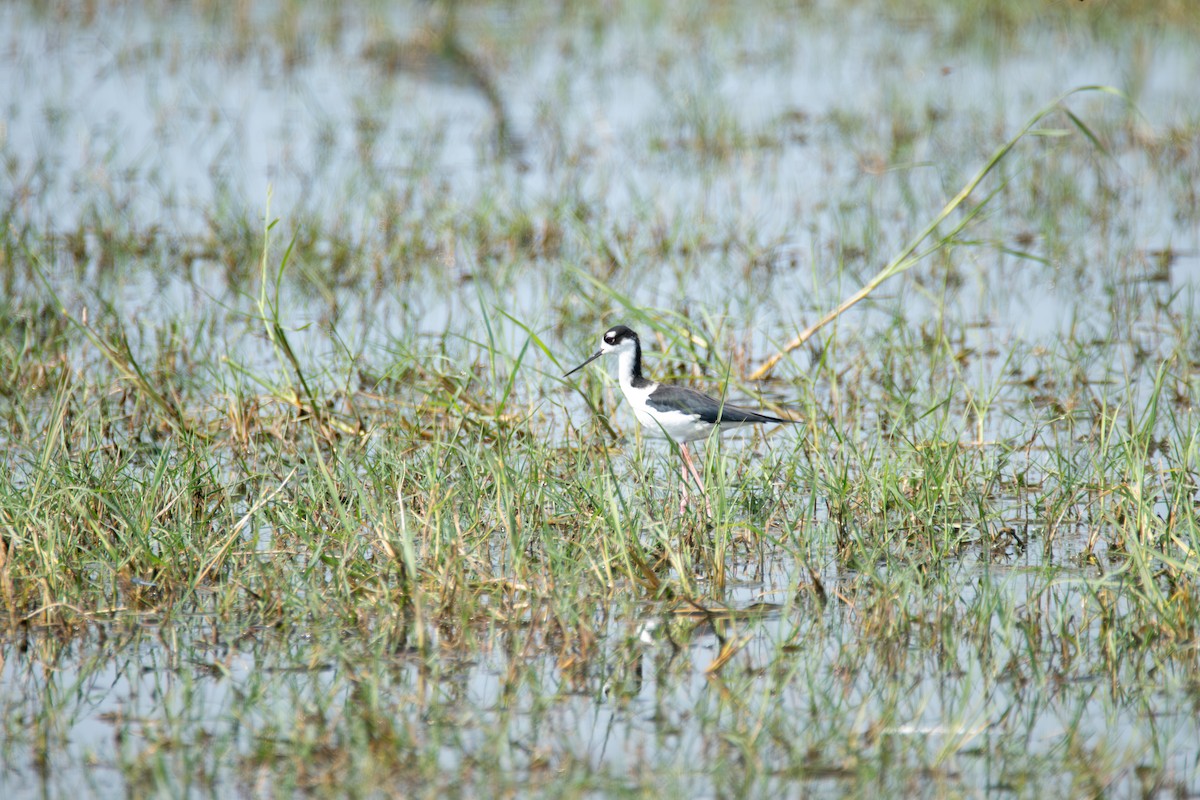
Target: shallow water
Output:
[(773, 160), (645, 701)]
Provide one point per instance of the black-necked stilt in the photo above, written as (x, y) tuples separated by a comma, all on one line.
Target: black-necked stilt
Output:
[(683, 414)]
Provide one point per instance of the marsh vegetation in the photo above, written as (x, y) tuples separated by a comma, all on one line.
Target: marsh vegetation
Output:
[(293, 498)]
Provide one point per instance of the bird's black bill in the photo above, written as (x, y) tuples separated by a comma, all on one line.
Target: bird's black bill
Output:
[(584, 364)]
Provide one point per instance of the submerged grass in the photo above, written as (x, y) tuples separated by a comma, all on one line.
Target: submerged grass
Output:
[(403, 534), (331, 523)]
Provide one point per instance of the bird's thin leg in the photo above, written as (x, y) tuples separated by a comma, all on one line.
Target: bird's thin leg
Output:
[(690, 465)]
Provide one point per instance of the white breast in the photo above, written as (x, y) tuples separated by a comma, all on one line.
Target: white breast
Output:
[(677, 425)]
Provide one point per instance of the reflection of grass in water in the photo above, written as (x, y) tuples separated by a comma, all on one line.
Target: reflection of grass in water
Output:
[(354, 566)]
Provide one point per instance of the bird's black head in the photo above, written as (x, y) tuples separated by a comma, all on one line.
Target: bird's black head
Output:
[(618, 339), (619, 334)]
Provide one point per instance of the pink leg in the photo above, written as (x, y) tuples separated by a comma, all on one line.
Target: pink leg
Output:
[(688, 464)]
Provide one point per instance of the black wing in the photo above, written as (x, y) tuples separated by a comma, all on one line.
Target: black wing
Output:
[(708, 409)]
